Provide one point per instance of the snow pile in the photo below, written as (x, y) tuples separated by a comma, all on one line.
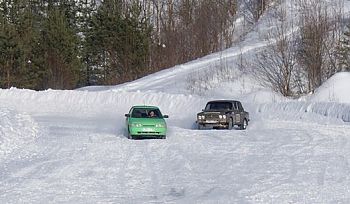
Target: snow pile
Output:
[(16, 130), (331, 102), (111, 104), (335, 89), (327, 112)]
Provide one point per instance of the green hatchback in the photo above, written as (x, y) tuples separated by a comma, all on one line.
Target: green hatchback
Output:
[(146, 122)]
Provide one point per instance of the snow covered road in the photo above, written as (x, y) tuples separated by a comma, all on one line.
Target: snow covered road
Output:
[(78, 159)]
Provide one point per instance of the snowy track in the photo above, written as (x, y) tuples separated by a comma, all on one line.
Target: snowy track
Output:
[(71, 147), (89, 160)]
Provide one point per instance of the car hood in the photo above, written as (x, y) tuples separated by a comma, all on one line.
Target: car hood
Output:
[(147, 121)]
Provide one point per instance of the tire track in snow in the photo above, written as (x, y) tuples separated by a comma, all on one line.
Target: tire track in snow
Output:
[(318, 164), (152, 171), (328, 158), (124, 173), (272, 147), (139, 173)]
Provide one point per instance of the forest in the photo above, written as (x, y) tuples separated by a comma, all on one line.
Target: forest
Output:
[(62, 44)]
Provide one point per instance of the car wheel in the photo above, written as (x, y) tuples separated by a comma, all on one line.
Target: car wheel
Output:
[(230, 124), (200, 127), (244, 125), (129, 135)]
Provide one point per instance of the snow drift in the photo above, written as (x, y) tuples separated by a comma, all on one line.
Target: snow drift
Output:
[(16, 130), (336, 89)]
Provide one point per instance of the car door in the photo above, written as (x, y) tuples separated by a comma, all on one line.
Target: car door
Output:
[(236, 113), (240, 110)]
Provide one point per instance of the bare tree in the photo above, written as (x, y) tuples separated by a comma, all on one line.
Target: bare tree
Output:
[(319, 32), (343, 51), (188, 29), (275, 65), (254, 9)]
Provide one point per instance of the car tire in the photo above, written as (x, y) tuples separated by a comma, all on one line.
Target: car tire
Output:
[(230, 124), (200, 127), (129, 135), (244, 125)]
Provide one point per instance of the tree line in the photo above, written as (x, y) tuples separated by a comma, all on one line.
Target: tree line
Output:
[(305, 51), (63, 44)]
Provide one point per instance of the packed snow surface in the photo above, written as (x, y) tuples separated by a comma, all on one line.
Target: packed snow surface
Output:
[(60, 146), (71, 147), (81, 154)]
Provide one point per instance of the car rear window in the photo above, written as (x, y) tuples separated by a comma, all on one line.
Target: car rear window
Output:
[(146, 113)]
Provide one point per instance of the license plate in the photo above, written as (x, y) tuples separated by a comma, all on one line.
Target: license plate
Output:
[(211, 121), (148, 130)]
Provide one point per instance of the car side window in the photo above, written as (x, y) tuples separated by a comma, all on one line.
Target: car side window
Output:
[(240, 108), (235, 106)]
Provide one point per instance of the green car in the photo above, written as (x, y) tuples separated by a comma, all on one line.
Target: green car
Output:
[(146, 122)]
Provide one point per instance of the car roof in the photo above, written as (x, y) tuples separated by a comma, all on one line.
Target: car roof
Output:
[(230, 101), (145, 107)]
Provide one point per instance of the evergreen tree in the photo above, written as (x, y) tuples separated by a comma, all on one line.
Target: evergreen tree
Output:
[(30, 62), (120, 41), (9, 52), (85, 10), (60, 50), (8, 46), (137, 43), (103, 41)]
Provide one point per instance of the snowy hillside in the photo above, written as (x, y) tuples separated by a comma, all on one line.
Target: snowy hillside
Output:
[(60, 146)]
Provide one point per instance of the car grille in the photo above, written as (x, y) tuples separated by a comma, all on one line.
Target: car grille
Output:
[(212, 117), (148, 125), (148, 132)]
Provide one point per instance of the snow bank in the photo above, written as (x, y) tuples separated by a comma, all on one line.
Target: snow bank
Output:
[(16, 130), (335, 89), (330, 102), (108, 103), (301, 110)]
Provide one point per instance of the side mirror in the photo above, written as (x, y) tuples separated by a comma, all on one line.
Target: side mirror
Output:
[(127, 115), (165, 116)]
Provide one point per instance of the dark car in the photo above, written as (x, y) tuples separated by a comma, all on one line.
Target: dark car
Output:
[(223, 114)]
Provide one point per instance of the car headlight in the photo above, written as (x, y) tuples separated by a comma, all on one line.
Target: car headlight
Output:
[(200, 117), (160, 125), (136, 125), (222, 116)]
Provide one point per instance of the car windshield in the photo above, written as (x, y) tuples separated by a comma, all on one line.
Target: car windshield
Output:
[(146, 113), (219, 106)]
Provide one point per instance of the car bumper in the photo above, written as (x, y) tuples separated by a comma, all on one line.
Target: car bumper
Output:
[(221, 124), (147, 132)]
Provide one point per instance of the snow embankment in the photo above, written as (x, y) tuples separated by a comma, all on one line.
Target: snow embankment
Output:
[(301, 110), (112, 104), (336, 89), (331, 101), (16, 130)]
